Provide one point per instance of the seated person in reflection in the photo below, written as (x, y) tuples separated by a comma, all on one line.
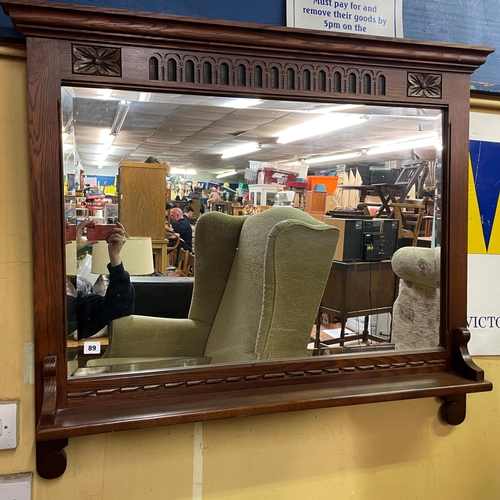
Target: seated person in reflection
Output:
[(181, 225), (189, 212), (214, 196), (89, 312)]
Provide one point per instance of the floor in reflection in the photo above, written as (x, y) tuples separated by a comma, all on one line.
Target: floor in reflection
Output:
[(330, 336)]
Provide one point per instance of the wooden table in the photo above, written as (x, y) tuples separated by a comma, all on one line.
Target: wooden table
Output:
[(222, 206), (388, 193), (160, 255), (357, 289)]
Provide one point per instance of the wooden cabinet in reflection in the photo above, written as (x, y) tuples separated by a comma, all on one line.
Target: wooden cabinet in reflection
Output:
[(142, 188), (357, 289), (316, 204)]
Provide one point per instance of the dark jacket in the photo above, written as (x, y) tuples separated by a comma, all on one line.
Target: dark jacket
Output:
[(90, 312), (184, 229)]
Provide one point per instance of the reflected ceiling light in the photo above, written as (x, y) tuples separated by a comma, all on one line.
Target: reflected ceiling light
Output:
[(101, 160), (249, 147), (182, 171), (338, 107), (320, 125), (408, 144), (226, 174), (108, 136), (325, 159), (106, 139), (104, 93), (242, 103), (121, 113), (144, 96)]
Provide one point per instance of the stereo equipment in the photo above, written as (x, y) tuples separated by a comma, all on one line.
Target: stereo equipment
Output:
[(380, 239), (364, 239), (350, 244)]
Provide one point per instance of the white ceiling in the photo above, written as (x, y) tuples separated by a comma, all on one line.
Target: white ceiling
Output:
[(192, 131)]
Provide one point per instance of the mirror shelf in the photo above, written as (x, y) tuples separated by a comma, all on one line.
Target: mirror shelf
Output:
[(71, 46)]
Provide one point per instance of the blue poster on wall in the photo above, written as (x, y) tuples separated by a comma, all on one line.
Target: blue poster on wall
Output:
[(485, 164)]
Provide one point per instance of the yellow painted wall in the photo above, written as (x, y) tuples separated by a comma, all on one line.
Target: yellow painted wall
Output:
[(390, 451)]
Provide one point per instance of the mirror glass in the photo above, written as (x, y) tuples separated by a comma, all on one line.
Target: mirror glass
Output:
[(373, 171)]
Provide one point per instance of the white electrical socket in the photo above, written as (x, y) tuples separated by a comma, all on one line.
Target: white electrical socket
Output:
[(8, 425), (16, 486)]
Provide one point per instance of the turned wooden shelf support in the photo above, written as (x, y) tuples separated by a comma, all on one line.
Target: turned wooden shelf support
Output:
[(51, 458), (453, 409)]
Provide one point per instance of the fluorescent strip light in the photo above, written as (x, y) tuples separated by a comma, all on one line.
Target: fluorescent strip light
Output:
[(249, 147), (400, 146), (336, 108), (226, 174), (108, 141), (325, 159), (242, 103), (320, 125), (121, 113), (104, 93), (102, 159), (182, 171)]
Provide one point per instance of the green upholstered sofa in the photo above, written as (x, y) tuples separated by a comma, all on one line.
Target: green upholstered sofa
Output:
[(258, 283)]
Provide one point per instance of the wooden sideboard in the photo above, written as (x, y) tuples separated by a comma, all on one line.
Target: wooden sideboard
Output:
[(356, 289)]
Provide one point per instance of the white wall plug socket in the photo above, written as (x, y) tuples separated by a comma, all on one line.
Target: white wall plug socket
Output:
[(8, 425), (16, 486)]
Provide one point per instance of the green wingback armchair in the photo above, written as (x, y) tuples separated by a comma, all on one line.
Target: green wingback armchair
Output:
[(257, 288)]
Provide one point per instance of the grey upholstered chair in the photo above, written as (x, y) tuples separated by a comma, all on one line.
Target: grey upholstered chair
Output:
[(257, 288), (416, 312)]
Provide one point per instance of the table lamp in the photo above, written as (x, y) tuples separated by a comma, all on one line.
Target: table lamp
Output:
[(136, 255), (70, 251)]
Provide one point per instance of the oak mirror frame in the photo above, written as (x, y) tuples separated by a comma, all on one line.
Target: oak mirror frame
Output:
[(118, 47)]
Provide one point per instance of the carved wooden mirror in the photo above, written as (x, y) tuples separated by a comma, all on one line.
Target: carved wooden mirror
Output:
[(83, 51)]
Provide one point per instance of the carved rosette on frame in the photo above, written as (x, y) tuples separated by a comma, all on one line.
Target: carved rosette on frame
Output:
[(424, 85), (92, 60)]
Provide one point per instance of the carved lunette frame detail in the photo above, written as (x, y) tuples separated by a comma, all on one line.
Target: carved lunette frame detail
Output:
[(295, 64), (265, 73), (235, 73)]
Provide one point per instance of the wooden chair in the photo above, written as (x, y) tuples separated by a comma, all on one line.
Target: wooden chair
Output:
[(185, 263), (412, 175), (172, 249), (189, 267), (409, 213), (182, 261)]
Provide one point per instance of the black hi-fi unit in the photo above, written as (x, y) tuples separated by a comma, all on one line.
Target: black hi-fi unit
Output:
[(372, 237), (349, 246), (380, 239), (389, 242)]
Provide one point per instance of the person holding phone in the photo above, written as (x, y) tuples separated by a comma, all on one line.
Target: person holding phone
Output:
[(88, 312)]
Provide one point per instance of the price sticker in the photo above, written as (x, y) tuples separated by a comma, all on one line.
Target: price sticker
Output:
[(91, 348)]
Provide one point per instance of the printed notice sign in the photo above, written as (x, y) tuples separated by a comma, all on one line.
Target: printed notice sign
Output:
[(363, 17)]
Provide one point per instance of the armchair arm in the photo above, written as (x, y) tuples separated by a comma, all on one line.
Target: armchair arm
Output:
[(145, 336), (418, 264)]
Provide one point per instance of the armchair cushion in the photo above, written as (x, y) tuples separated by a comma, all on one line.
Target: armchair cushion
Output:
[(146, 336)]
